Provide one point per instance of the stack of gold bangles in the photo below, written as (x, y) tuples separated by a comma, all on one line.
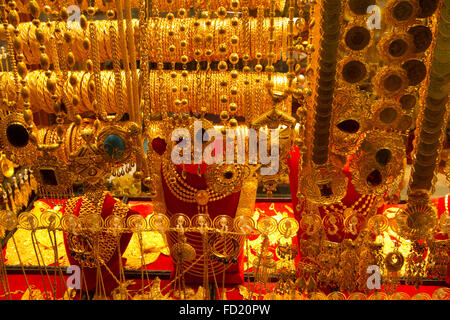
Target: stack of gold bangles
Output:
[(161, 5), (194, 37), (40, 97)]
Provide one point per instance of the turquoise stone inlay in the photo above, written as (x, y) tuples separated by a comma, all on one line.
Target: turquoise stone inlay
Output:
[(146, 146), (114, 146)]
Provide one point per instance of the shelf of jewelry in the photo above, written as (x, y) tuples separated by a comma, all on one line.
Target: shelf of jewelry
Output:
[(224, 226)]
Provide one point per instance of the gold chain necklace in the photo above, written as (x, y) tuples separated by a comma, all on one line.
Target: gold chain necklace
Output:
[(187, 193)]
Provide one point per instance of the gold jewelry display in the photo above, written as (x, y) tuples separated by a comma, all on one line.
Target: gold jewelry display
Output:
[(323, 185), (444, 221), (88, 247), (370, 255), (416, 221), (90, 99), (194, 97), (106, 37), (348, 122), (438, 259), (187, 193), (415, 264), (163, 6), (377, 167), (222, 178), (386, 114), (53, 176), (15, 139)]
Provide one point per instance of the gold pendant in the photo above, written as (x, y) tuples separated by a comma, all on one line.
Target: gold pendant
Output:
[(348, 212), (331, 223), (202, 197)]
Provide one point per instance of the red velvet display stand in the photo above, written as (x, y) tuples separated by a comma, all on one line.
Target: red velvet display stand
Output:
[(350, 198), (113, 263), (225, 206)]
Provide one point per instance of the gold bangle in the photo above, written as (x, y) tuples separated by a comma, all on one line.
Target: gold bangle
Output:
[(48, 102)]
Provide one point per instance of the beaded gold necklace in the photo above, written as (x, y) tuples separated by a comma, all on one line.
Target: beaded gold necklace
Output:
[(187, 193)]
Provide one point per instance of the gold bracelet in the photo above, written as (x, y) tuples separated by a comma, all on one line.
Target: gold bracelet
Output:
[(84, 92), (107, 54)]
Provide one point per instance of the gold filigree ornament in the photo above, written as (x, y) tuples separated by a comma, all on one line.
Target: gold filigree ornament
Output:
[(377, 224), (396, 47), (399, 13), (226, 178), (274, 174), (274, 125), (390, 81), (379, 295), (415, 222), (353, 69), (181, 251), (288, 227), (91, 243), (386, 114), (15, 139), (378, 163), (444, 223), (318, 296), (50, 219), (311, 224), (52, 175), (323, 185), (115, 142), (348, 122), (28, 221), (71, 224), (267, 225), (159, 222), (87, 163)]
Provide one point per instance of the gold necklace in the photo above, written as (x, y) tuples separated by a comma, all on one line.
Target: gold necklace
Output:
[(187, 193), (350, 217), (93, 245)]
